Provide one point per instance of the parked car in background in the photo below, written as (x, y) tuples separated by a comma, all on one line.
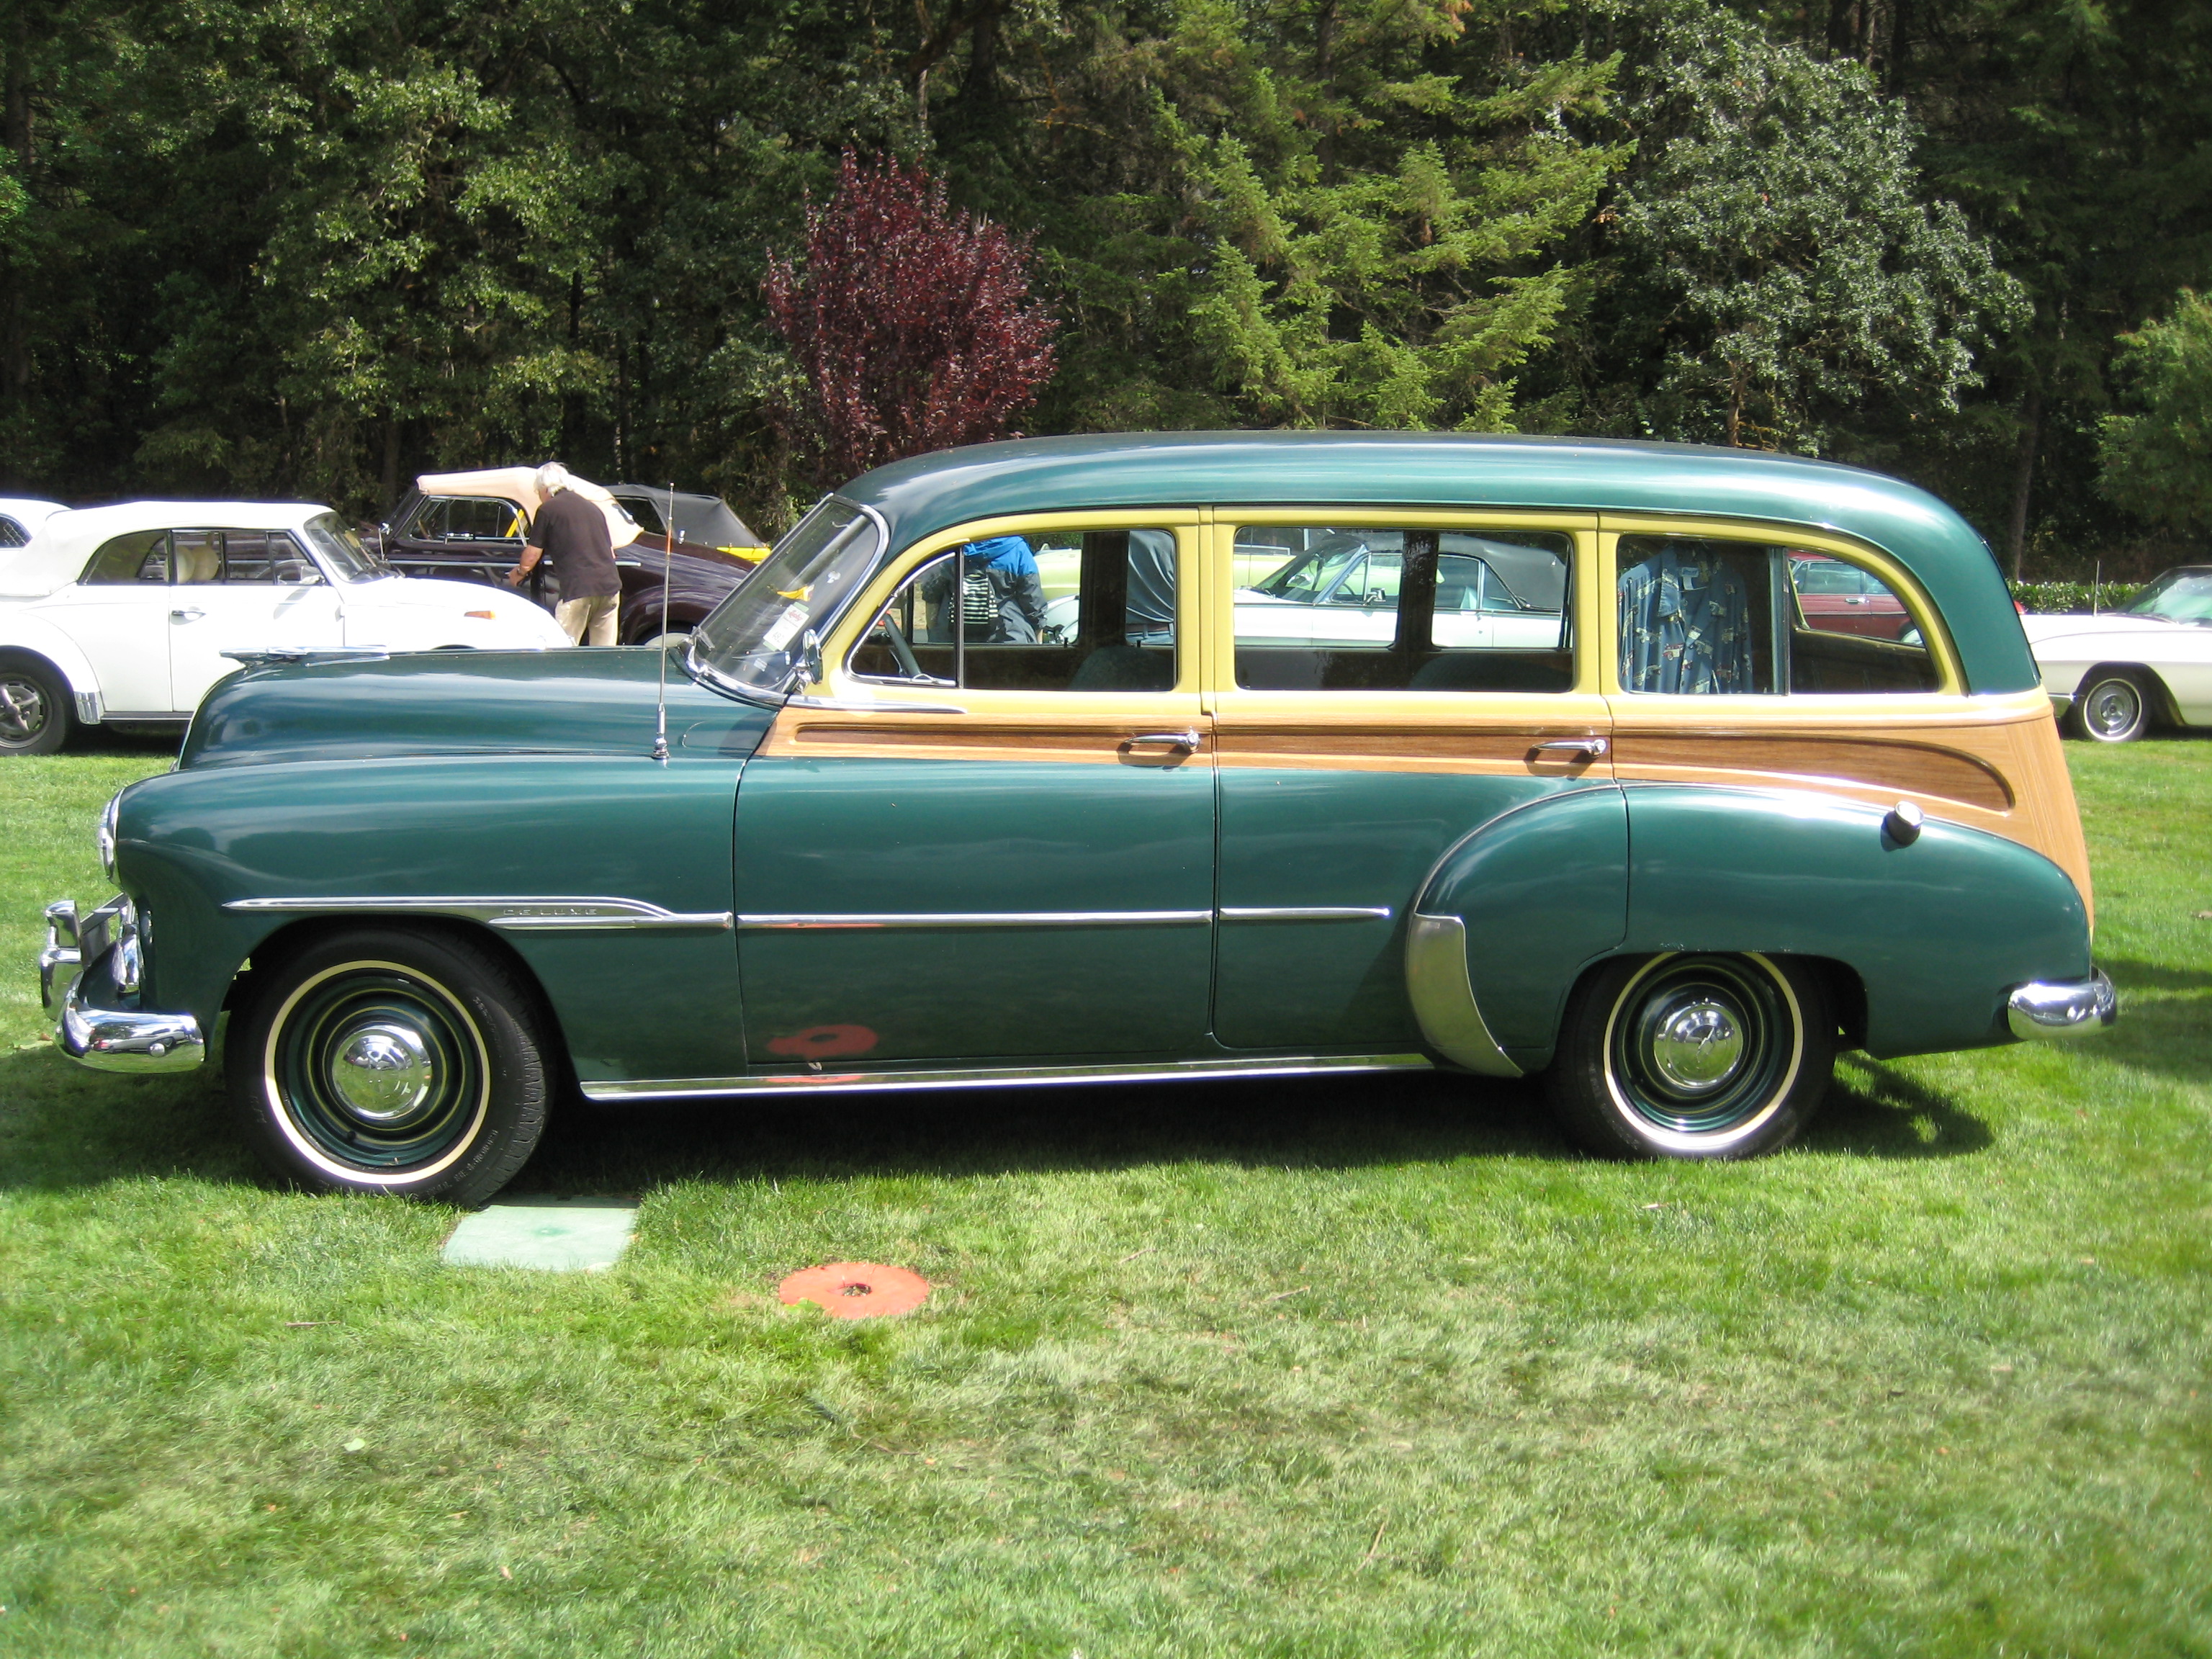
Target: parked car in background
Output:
[(1670, 853), (1844, 598), (700, 520), (21, 517), (2117, 672), (470, 526), (125, 615)]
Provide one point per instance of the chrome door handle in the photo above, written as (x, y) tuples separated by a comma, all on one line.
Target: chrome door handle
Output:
[(190, 613), (1592, 747), (1184, 739)]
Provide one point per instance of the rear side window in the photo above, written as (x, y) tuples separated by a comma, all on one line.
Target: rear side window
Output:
[(143, 556), (1345, 607), (1711, 616)]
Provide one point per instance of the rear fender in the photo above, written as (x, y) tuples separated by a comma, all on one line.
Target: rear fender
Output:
[(1507, 922), (1938, 929), (31, 635)]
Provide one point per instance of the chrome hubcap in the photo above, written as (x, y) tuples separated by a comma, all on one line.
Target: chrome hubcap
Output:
[(382, 1073), (22, 709), (2113, 707), (1696, 1046)]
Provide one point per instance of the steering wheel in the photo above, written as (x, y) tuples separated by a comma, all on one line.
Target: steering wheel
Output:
[(902, 651)]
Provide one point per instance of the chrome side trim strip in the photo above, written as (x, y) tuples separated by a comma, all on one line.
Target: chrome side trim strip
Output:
[(864, 705), (538, 915), (835, 922), (1443, 996), (1305, 912), (1000, 1077)]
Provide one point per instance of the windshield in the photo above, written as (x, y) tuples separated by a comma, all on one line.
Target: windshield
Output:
[(1310, 578), (752, 641), (332, 537), (2177, 596)]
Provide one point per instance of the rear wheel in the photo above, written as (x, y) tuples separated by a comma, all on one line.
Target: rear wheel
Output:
[(34, 707), (2112, 707), (390, 1061), (1692, 1056)]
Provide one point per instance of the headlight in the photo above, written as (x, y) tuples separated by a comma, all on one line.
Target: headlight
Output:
[(104, 836)]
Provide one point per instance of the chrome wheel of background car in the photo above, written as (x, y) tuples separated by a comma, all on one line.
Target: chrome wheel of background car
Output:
[(392, 1060), (33, 710), (2113, 709), (1691, 1055)]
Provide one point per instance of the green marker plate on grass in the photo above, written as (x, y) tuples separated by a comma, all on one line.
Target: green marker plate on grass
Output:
[(561, 1234)]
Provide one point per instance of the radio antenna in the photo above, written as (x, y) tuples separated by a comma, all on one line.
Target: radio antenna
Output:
[(667, 576)]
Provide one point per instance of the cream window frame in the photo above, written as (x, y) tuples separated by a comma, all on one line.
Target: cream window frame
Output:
[(1220, 581), (1829, 705), (839, 682)]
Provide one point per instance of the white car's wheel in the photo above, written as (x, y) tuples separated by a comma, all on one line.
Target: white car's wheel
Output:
[(2113, 706), (34, 707)]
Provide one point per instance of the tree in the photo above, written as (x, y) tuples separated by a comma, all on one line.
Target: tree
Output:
[(2158, 464), (1779, 257), (911, 324)]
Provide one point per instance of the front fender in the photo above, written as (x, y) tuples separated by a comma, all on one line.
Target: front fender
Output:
[(400, 838), (1508, 920), (1938, 930)]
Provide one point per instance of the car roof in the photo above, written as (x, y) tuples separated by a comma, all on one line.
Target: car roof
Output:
[(934, 492), (61, 546)]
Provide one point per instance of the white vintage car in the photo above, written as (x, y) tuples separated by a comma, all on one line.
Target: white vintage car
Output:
[(126, 615), (2118, 671)]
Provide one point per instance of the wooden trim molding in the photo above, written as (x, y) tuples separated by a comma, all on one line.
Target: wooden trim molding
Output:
[(1912, 768)]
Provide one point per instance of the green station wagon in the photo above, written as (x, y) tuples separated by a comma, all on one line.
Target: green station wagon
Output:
[(1051, 759)]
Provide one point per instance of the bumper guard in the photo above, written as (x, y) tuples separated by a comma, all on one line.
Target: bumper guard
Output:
[(100, 1024), (2045, 1012)]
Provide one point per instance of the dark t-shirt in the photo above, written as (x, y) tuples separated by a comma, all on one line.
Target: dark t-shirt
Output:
[(572, 532)]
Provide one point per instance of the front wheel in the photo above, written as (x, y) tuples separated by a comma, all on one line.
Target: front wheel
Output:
[(385, 1060), (1692, 1056), (2114, 707)]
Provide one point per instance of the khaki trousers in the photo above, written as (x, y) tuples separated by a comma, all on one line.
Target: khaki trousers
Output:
[(595, 618)]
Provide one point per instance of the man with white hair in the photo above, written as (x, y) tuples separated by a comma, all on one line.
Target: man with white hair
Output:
[(572, 533)]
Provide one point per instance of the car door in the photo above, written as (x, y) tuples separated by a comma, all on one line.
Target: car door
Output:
[(995, 838), (241, 590), (1347, 771), (465, 538)]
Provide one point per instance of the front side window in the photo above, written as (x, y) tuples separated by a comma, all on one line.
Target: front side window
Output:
[(1713, 617), (755, 640), (1423, 609), (1060, 610), (466, 518)]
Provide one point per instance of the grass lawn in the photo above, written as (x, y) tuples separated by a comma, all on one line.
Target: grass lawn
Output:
[(1332, 1369)]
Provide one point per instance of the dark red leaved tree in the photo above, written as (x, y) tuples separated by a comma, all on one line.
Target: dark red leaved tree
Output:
[(912, 324)]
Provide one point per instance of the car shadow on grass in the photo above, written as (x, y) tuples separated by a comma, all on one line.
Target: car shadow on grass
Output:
[(1874, 1110), (62, 1127)]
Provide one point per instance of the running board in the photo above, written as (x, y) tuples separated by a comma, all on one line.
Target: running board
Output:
[(840, 1082)]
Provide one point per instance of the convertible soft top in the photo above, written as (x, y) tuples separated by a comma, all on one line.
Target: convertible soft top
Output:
[(60, 548), (706, 519), (519, 484)]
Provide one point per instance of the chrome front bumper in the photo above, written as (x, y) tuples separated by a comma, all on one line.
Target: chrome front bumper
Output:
[(2069, 1008), (101, 1025)]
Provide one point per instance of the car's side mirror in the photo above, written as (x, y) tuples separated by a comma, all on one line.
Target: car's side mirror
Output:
[(810, 656)]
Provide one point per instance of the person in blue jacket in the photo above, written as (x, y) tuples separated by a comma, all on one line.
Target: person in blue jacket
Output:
[(1003, 599)]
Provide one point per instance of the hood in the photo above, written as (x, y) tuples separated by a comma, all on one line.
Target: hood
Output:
[(2043, 628), (465, 703)]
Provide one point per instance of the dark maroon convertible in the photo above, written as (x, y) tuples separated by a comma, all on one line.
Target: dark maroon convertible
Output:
[(468, 526)]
